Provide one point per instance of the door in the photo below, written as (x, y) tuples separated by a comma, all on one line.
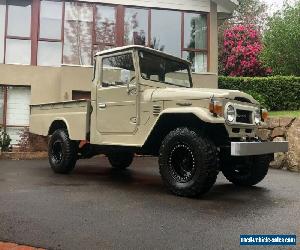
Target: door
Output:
[(117, 95)]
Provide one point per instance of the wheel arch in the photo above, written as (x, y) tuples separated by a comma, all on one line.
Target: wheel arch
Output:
[(170, 121), (59, 123)]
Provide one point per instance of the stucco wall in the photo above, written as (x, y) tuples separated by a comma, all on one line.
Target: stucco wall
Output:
[(49, 84)]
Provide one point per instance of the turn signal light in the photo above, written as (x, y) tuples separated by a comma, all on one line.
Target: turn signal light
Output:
[(216, 107), (264, 115)]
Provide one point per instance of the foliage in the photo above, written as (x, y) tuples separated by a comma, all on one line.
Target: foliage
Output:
[(276, 93), (29, 142), (249, 13), (281, 42), (242, 47), (4, 141)]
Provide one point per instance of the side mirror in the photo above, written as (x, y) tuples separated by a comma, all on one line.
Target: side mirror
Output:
[(125, 77)]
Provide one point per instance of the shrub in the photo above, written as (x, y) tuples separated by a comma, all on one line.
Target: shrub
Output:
[(4, 141), (275, 93), (241, 49), (29, 142)]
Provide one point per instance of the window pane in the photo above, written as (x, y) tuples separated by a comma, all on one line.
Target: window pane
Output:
[(118, 70), (195, 31), (2, 29), (160, 69), (18, 51), (49, 53), (136, 26), (51, 19), (19, 18), (78, 33), (1, 104), (166, 31), (105, 24), (198, 60)]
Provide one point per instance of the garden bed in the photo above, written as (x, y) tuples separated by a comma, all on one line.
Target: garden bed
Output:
[(23, 155)]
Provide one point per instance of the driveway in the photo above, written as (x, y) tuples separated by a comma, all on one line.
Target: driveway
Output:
[(100, 208)]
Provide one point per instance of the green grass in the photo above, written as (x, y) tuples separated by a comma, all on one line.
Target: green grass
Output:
[(285, 113)]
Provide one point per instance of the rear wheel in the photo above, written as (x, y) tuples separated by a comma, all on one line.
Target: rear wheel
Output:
[(188, 163), (247, 170), (121, 159), (62, 152)]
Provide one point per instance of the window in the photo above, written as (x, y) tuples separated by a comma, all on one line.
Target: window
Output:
[(105, 25), (195, 41), (18, 40), (136, 26), (78, 33), (50, 35), (161, 69), (118, 70), (15, 100), (2, 28), (166, 32)]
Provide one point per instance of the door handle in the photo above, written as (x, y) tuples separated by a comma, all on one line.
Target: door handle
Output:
[(102, 105)]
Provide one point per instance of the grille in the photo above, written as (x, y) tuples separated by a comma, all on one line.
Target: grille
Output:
[(243, 116), (156, 110)]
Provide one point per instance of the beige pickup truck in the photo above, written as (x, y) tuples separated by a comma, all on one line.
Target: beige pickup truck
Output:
[(143, 102)]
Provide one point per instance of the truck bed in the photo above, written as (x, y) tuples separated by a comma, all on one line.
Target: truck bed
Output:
[(75, 115)]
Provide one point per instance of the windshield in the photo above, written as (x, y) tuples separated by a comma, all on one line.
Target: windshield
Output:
[(160, 69)]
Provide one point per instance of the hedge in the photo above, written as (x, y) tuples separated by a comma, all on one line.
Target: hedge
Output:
[(276, 93)]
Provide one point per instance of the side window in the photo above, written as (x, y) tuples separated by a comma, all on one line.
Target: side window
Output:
[(117, 70)]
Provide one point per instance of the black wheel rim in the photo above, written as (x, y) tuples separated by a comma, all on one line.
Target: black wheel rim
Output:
[(57, 152), (182, 163)]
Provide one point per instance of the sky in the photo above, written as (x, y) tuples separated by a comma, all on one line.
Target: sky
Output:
[(276, 4)]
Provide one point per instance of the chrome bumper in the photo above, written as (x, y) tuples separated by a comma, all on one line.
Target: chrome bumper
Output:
[(258, 148)]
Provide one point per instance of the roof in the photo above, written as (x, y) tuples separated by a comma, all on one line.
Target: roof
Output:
[(227, 6), (140, 47)]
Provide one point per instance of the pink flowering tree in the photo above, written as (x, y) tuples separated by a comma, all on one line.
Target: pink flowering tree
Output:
[(242, 48)]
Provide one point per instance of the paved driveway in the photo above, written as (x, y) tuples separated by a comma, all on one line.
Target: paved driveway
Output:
[(99, 208)]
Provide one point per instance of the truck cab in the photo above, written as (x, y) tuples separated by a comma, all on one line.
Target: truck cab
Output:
[(143, 102)]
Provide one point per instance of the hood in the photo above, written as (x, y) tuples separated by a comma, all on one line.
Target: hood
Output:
[(166, 94)]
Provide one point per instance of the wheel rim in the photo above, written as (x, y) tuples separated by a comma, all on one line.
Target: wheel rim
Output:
[(182, 163), (57, 152)]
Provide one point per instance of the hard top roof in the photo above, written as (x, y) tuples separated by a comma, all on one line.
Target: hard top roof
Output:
[(139, 47)]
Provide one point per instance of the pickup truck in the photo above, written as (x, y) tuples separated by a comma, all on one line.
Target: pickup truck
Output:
[(143, 103)]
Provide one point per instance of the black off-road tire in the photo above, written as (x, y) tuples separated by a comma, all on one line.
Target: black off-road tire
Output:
[(188, 162), (120, 159), (247, 170), (62, 152)]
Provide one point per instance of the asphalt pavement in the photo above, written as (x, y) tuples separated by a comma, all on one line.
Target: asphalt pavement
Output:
[(97, 207)]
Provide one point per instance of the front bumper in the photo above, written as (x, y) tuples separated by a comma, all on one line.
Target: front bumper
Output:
[(258, 148)]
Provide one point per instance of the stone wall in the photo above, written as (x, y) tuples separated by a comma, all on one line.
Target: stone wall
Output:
[(281, 129)]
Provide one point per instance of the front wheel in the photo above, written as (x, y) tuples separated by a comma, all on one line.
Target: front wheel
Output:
[(62, 152), (247, 170), (188, 162)]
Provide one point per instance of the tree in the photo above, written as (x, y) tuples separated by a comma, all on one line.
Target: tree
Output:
[(281, 41), (249, 13), (242, 47)]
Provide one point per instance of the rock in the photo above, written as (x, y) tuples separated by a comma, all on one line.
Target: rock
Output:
[(280, 159), (285, 121), (293, 156), (273, 122), (264, 134), (279, 131)]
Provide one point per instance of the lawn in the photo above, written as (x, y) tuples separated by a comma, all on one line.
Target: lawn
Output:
[(285, 113)]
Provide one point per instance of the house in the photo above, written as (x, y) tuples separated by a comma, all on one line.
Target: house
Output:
[(47, 46)]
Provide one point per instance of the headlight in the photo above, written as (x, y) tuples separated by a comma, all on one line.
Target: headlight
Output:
[(257, 117), (230, 113)]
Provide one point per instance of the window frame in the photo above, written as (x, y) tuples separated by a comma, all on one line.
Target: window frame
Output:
[(6, 36), (119, 29)]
